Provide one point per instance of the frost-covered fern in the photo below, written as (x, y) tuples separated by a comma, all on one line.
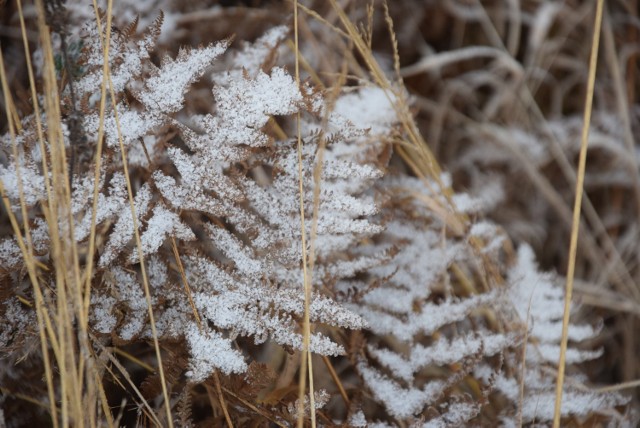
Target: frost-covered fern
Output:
[(426, 322), (429, 322), (235, 191)]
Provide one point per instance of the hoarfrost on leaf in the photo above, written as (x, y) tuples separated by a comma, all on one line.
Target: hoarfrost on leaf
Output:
[(165, 90), (210, 351)]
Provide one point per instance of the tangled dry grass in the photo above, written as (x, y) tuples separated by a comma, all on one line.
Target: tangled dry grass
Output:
[(390, 173)]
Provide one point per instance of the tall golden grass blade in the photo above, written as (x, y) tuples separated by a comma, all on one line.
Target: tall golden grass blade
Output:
[(185, 282), (306, 367), (593, 61), (44, 323), (106, 42), (223, 403), (145, 279)]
